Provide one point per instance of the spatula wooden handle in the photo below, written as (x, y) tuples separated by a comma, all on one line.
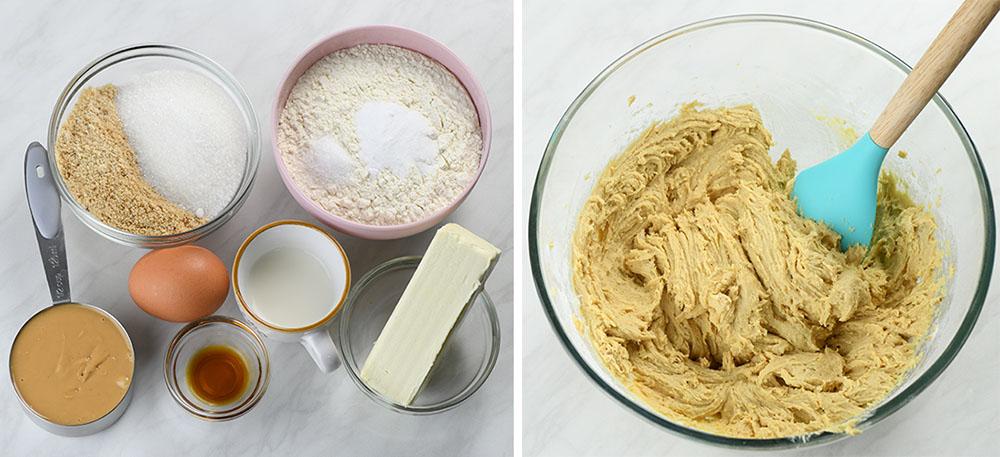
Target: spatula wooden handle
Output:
[(934, 66)]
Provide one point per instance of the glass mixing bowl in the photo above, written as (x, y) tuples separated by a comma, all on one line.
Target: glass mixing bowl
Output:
[(118, 67), (464, 363), (811, 82)]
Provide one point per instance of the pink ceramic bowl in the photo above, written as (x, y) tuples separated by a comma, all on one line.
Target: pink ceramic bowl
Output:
[(404, 38)]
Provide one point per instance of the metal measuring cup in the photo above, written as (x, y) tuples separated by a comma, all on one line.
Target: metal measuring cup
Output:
[(44, 205)]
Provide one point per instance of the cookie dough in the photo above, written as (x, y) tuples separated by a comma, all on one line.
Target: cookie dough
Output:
[(709, 297)]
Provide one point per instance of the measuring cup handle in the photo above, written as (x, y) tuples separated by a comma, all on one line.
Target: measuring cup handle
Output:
[(44, 205), (319, 345)]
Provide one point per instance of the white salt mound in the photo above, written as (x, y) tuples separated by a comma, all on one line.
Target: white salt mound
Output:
[(330, 161), (188, 137)]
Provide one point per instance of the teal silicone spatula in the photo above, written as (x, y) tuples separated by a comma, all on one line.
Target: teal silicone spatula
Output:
[(841, 192)]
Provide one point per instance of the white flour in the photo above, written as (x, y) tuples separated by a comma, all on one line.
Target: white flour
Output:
[(380, 135)]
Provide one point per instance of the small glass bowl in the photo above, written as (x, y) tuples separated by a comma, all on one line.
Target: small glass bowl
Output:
[(464, 363), (210, 331), (120, 65)]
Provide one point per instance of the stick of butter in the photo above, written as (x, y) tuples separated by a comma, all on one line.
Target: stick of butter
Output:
[(449, 276)]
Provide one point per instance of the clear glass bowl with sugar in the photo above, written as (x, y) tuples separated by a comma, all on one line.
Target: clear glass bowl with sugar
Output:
[(122, 64)]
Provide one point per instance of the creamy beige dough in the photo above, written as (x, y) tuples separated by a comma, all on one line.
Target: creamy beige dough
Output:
[(708, 296)]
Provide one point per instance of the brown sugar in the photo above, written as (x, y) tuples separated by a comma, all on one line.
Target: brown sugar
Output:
[(101, 171)]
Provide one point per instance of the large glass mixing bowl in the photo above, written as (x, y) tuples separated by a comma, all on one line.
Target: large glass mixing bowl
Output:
[(812, 83)]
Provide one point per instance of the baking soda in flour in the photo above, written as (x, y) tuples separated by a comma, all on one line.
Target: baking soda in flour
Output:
[(380, 135), (395, 138)]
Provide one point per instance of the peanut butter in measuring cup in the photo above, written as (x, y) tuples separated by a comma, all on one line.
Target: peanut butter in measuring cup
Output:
[(71, 364)]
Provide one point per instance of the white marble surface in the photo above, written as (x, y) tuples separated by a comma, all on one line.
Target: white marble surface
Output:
[(304, 412), (566, 45)]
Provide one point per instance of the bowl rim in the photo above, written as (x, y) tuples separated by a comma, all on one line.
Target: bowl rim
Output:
[(173, 385), (377, 34), (169, 51), (881, 410), (343, 342)]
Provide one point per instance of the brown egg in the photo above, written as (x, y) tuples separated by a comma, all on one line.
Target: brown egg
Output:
[(179, 284)]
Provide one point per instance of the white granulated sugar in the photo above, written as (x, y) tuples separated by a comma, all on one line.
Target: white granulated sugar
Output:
[(188, 137), (402, 121)]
